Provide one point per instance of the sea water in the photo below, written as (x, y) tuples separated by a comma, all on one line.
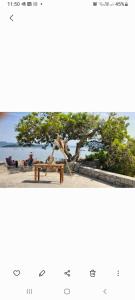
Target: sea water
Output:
[(22, 153)]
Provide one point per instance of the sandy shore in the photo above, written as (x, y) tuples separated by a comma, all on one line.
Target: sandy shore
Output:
[(18, 179)]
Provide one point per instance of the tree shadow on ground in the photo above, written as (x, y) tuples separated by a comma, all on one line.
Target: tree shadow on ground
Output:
[(41, 181)]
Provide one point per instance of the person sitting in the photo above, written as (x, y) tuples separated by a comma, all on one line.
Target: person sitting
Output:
[(11, 163), (50, 160), (29, 161)]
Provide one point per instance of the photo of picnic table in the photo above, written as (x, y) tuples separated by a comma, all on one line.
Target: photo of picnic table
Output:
[(38, 167)]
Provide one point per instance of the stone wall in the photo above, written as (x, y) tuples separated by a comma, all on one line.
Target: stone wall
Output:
[(112, 178), (92, 164)]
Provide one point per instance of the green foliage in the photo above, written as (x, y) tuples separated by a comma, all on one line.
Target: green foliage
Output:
[(78, 125), (131, 145), (114, 128), (118, 153), (120, 159), (44, 127), (101, 155), (119, 147)]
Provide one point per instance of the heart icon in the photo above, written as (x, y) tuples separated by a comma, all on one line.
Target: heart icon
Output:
[(16, 272)]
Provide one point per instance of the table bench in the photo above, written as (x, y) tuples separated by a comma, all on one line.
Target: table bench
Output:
[(39, 166)]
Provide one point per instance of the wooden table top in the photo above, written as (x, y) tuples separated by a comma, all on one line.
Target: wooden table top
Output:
[(48, 165)]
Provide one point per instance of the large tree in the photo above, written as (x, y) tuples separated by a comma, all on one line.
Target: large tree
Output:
[(43, 128), (115, 127), (117, 153)]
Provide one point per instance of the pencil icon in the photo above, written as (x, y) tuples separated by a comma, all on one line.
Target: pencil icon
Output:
[(41, 273)]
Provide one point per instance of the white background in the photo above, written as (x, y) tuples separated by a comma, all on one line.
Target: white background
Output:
[(67, 56), (60, 230)]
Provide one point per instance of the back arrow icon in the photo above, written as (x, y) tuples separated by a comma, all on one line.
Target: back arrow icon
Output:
[(105, 291), (11, 18)]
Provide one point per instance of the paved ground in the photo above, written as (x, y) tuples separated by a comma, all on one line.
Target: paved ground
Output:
[(26, 180)]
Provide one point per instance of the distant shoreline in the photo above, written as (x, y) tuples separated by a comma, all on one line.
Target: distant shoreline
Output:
[(39, 153)]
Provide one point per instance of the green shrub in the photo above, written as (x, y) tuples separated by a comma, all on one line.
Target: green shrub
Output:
[(120, 160), (101, 155)]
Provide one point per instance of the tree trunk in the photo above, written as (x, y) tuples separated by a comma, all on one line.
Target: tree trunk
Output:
[(68, 154), (77, 151), (81, 143)]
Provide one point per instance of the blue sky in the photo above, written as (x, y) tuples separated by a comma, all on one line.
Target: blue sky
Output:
[(9, 122)]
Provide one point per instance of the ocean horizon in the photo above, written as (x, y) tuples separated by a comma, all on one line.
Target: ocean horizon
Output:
[(22, 153)]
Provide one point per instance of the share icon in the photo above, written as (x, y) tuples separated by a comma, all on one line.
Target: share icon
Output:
[(67, 273)]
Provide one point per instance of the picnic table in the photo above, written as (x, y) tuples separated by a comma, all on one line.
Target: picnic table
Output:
[(38, 167)]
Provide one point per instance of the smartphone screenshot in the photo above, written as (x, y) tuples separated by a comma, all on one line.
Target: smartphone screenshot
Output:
[(67, 150)]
